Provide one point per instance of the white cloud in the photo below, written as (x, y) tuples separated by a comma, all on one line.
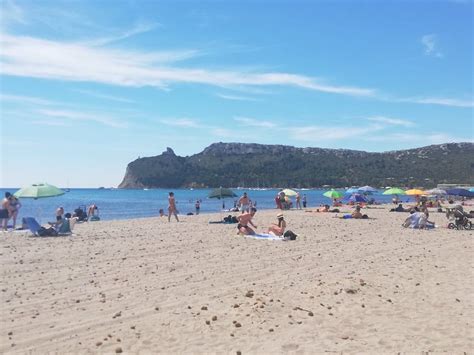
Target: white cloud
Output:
[(415, 138), (253, 122), (105, 96), (430, 45), (12, 13), (391, 121), (26, 99), (223, 132), (55, 123), (236, 98), (137, 29), (440, 101), (81, 116), (180, 122), (324, 133), (38, 58)]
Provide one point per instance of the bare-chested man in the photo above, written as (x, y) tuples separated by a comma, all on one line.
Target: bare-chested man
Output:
[(244, 221), (244, 203)]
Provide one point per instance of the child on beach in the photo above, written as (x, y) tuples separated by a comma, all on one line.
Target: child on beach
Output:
[(244, 221), (278, 229), (172, 210)]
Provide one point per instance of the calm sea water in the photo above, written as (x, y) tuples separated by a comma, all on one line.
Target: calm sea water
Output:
[(126, 204)]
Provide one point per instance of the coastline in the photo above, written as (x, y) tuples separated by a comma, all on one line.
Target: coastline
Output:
[(146, 285)]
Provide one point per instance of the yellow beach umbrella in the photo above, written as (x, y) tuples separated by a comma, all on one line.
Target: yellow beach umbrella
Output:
[(414, 192)]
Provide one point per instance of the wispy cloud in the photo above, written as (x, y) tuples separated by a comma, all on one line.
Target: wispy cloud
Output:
[(11, 13), (430, 45), (26, 99), (137, 29), (253, 122), (325, 133), (391, 121), (439, 101), (82, 116), (236, 98), (54, 123), (105, 96), (428, 137), (33, 57), (181, 122)]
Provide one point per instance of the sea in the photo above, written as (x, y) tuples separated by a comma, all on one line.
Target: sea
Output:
[(117, 204)]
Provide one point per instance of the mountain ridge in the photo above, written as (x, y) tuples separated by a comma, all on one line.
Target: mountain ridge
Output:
[(221, 164)]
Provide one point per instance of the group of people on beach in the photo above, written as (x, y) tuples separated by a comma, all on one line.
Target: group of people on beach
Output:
[(10, 207), (245, 222)]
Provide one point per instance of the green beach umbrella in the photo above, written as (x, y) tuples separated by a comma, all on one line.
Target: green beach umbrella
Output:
[(394, 191), (333, 194), (289, 192), (221, 193), (41, 190)]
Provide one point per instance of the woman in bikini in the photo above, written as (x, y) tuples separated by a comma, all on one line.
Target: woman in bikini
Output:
[(278, 229), (172, 210)]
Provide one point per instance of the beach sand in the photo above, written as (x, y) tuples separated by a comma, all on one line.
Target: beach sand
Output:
[(148, 286)]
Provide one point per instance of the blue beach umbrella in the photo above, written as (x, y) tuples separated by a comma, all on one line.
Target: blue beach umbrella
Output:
[(460, 192), (367, 189), (352, 190), (357, 198)]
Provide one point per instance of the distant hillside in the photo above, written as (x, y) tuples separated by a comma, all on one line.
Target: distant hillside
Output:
[(258, 165)]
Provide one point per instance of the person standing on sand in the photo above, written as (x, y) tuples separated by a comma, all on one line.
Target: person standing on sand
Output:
[(244, 221), (304, 201), (244, 203), (5, 211), (197, 205), (298, 201), (172, 210)]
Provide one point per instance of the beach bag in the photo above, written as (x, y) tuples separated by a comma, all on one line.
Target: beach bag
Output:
[(47, 232), (289, 235)]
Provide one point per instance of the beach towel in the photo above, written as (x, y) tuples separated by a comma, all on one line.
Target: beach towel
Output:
[(264, 236)]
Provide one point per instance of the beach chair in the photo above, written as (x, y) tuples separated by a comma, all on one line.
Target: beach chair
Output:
[(32, 225)]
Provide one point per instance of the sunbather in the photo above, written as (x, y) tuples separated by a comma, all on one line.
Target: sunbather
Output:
[(278, 229)]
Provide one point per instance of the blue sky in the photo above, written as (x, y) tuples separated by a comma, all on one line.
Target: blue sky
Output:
[(88, 86)]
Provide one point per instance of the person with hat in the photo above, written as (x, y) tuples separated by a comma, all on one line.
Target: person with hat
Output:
[(278, 229)]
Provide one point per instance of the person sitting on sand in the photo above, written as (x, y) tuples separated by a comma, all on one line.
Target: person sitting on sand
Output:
[(278, 229), (244, 221), (172, 210), (357, 213), (399, 208), (324, 209)]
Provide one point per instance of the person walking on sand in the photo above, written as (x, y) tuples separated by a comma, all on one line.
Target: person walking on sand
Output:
[(172, 210), (298, 201), (278, 229), (244, 221)]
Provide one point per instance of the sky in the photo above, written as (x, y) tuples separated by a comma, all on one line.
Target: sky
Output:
[(88, 86)]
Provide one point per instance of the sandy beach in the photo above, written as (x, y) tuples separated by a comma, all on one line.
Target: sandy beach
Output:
[(148, 286)]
